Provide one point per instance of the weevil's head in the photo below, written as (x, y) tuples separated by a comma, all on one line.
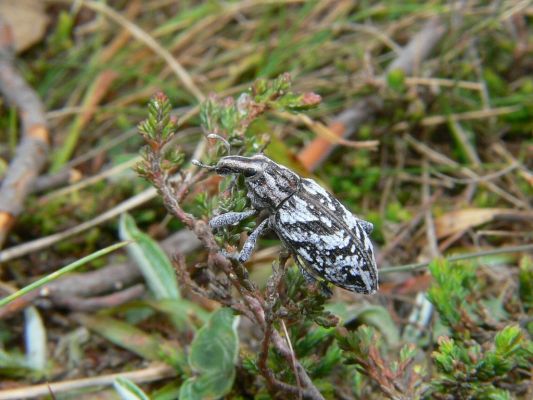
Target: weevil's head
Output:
[(268, 183)]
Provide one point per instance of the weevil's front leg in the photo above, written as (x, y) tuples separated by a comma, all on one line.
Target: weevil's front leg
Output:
[(249, 245), (230, 218), (311, 280)]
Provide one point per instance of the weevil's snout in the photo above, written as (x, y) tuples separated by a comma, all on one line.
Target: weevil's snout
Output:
[(238, 165)]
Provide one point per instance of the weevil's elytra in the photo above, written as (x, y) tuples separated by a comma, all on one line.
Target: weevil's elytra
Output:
[(327, 241)]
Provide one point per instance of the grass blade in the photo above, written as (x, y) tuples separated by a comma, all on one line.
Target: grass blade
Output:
[(128, 390), (66, 269)]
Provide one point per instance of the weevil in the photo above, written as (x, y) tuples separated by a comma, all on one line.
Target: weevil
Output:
[(327, 242)]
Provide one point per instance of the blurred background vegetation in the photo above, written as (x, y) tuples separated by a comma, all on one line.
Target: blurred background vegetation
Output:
[(424, 128)]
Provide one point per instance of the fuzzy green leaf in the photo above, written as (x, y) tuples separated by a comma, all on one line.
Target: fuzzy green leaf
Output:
[(151, 259), (213, 356)]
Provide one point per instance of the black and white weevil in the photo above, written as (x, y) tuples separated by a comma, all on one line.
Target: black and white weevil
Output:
[(327, 241)]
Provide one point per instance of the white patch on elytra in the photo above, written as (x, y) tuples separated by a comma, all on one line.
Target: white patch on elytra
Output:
[(296, 211), (326, 221), (305, 254)]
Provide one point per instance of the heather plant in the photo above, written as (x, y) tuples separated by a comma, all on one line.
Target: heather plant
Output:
[(300, 348)]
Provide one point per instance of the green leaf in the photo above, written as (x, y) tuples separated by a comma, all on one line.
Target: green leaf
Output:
[(150, 347), (151, 259), (396, 80), (213, 357), (508, 341), (128, 390)]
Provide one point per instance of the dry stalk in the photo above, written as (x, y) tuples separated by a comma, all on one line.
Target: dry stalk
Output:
[(33, 149)]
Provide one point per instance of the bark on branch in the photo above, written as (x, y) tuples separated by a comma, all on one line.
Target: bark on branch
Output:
[(32, 151)]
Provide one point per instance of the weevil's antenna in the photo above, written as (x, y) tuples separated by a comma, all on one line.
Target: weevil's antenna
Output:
[(202, 165), (263, 147), (223, 140)]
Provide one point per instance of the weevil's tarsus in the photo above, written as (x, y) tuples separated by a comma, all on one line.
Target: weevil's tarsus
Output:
[(248, 247)]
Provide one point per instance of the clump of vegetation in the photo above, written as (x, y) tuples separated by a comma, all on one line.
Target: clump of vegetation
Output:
[(480, 356), (417, 117)]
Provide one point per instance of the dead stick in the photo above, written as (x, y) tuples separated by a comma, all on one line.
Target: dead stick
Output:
[(153, 373), (91, 304), (103, 280), (47, 241), (33, 149)]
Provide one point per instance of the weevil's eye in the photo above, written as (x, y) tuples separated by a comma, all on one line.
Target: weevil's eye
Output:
[(223, 170), (249, 172)]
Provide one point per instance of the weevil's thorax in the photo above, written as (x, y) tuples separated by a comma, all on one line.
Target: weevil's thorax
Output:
[(269, 188), (269, 184)]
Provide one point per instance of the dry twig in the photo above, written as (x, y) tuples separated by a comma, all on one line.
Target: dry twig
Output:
[(442, 159), (76, 291), (152, 373), (33, 149)]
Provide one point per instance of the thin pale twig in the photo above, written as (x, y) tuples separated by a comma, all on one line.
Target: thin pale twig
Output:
[(428, 217), (153, 373), (484, 178), (286, 333), (435, 120), (47, 241), (150, 42), (460, 257), (91, 180), (442, 159)]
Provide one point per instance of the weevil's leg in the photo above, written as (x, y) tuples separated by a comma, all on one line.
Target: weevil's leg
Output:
[(311, 280), (249, 245), (368, 227), (230, 218)]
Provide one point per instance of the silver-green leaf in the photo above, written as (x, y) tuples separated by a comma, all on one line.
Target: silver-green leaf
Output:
[(151, 259), (213, 356)]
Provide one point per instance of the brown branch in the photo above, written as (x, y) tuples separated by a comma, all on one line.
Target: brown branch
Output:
[(33, 149), (274, 385), (309, 389), (103, 280), (77, 303)]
